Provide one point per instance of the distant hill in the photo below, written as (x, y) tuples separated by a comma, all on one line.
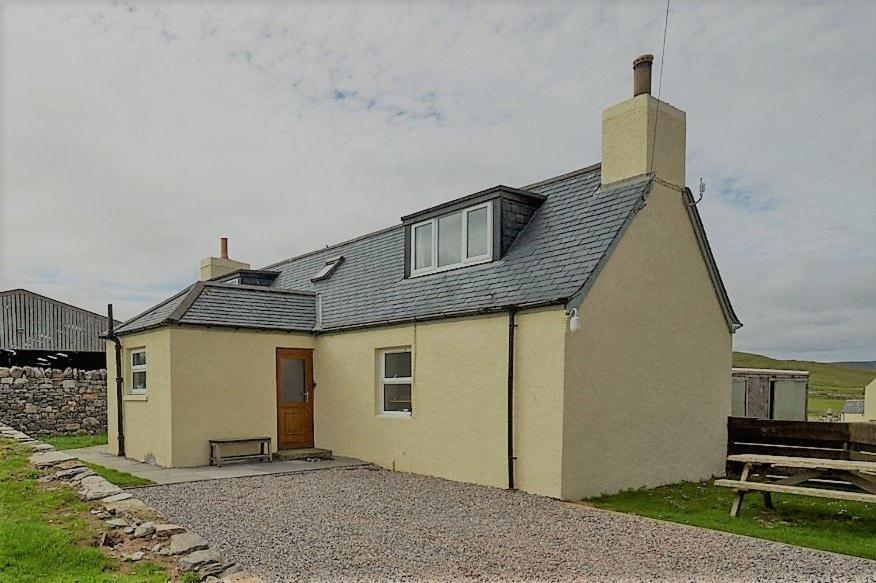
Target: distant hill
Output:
[(863, 365)]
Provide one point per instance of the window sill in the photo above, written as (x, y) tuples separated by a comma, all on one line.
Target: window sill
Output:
[(135, 397), (394, 415)]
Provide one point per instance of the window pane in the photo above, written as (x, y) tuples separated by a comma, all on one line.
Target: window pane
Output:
[(139, 383), (397, 397), (450, 239), (477, 233), (292, 379), (423, 246), (138, 358), (738, 402), (397, 365)]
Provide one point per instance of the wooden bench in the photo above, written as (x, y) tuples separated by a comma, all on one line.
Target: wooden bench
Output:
[(829, 473), (216, 457)]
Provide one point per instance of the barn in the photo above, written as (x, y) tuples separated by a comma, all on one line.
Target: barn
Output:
[(39, 331)]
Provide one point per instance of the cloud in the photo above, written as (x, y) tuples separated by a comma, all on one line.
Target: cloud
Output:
[(134, 135)]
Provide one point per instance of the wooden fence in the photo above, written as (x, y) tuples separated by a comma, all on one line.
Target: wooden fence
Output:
[(843, 441)]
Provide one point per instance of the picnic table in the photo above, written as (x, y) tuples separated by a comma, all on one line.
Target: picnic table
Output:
[(834, 478)]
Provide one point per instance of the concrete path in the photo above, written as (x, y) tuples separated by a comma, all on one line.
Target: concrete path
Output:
[(159, 475)]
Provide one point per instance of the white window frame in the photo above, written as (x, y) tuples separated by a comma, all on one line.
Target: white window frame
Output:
[(466, 261), (138, 368), (382, 381)]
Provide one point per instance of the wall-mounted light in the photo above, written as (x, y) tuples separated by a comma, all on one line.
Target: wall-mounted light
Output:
[(574, 320)]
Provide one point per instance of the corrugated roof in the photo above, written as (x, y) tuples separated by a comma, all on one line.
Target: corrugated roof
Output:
[(552, 260), (855, 406)]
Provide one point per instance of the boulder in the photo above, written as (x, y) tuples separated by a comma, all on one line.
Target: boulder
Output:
[(144, 530), (47, 459), (168, 530), (116, 523), (186, 542), (96, 487), (197, 559)]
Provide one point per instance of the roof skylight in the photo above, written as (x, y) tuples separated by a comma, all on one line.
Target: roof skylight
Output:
[(331, 264)]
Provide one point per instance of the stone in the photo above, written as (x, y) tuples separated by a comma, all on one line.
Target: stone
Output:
[(47, 459), (168, 530), (96, 487), (135, 556), (69, 464), (135, 508), (129, 530), (186, 542), (144, 530), (116, 523), (193, 561), (156, 548), (30, 408), (212, 569), (71, 473), (117, 497)]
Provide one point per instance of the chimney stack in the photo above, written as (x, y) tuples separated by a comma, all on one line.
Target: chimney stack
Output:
[(643, 135), (642, 75), (212, 267)]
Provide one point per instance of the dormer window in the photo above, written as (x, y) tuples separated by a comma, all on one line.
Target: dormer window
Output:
[(452, 240)]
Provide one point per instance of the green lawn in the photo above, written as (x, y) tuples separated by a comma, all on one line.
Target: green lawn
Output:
[(75, 441), (121, 479), (45, 535), (831, 525)]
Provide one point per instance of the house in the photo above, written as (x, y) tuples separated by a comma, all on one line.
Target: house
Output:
[(39, 331), (765, 393), (551, 338), (856, 410)]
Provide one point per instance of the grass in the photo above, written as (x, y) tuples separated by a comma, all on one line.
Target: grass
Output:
[(829, 384), (830, 525), (45, 534), (121, 479), (75, 441)]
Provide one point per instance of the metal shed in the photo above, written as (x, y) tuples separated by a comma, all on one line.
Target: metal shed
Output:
[(39, 331), (765, 393)]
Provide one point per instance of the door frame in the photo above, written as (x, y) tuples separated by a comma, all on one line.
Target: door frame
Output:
[(306, 354)]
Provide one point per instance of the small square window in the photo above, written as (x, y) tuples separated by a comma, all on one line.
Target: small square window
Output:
[(395, 382), (138, 371)]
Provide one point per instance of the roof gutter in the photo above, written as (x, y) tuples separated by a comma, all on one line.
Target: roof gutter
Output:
[(111, 336)]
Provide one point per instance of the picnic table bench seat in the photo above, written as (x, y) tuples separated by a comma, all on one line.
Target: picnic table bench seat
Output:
[(217, 459), (829, 473)]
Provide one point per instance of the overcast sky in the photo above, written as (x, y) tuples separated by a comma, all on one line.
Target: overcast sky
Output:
[(134, 135)]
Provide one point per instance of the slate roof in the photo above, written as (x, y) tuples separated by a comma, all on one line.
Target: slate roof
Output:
[(239, 306), (552, 261), (854, 406)]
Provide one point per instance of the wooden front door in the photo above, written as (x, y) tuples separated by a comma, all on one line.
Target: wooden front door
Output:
[(294, 398)]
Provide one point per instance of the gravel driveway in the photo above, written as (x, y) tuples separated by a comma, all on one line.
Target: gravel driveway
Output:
[(374, 525)]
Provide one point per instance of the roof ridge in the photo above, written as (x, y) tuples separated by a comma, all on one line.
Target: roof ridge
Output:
[(156, 306), (571, 174), (183, 307), (259, 288), (584, 170)]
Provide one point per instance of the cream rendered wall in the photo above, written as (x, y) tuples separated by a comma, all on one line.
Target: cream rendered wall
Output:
[(648, 375), (147, 418), (539, 367), (458, 426), (224, 387)]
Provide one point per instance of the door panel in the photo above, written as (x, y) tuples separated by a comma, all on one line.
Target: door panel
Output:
[(294, 398)]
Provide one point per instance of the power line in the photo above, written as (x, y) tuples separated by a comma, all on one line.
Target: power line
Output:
[(659, 88)]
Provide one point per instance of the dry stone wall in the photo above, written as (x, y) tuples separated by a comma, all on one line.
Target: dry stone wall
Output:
[(44, 401)]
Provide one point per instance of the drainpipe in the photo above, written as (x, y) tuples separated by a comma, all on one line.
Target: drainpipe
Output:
[(512, 323), (111, 335)]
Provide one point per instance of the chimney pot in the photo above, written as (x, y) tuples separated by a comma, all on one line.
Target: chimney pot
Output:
[(642, 75), (223, 247)]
